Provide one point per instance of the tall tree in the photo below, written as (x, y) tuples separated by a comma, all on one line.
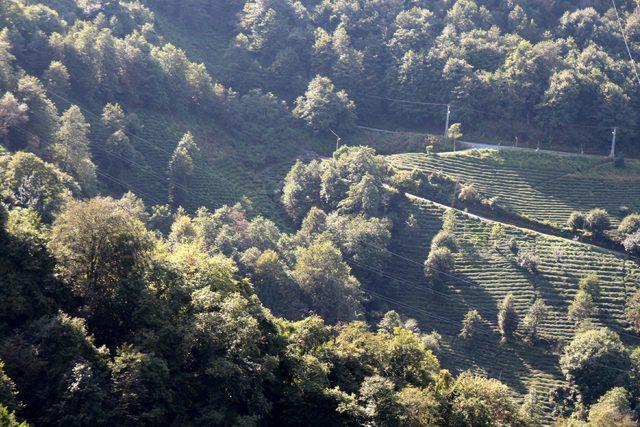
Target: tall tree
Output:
[(507, 317), (181, 167), (12, 113), (535, 316), (102, 250), (595, 361), (71, 151), (327, 281), (322, 108)]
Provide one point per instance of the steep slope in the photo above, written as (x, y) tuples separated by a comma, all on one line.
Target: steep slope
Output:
[(542, 187), (485, 271)]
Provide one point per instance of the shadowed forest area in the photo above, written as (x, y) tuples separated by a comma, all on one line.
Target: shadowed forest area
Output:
[(248, 213)]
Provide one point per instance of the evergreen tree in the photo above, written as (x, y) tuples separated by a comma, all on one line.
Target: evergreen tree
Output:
[(181, 168), (56, 80), (71, 151), (471, 325), (507, 318)]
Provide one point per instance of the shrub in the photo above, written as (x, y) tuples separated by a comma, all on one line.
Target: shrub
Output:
[(630, 224), (613, 409), (439, 263), (529, 262), (445, 239), (576, 221), (507, 317), (632, 244), (597, 221), (480, 401), (534, 318), (590, 284), (470, 325), (407, 181), (582, 307), (468, 193), (432, 341), (632, 311)]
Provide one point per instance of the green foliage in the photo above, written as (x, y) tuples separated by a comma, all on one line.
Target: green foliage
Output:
[(12, 113), (535, 316), (8, 391), (632, 243), (187, 340), (322, 108), (56, 78), (590, 284), (445, 239), (354, 181), (577, 221), (528, 261), (613, 408), (326, 281), (301, 189), (362, 240), (595, 361), (26, 272), (31, 183), (468, 193), (597, 221), (455, 131), (142, 383), (438, 264), (161, 218), (102, 250), (582, 307), (482, 401), (531, 410), (507, 317), (9, 419), (630, 224), (632, 311), (71, 151), (181, 168), (471, 325)]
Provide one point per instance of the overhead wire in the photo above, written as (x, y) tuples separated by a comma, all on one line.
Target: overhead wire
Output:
[(626, 42), (373, 293)]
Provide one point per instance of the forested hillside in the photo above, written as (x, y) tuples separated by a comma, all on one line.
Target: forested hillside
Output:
[(207, 216), (543, 71)]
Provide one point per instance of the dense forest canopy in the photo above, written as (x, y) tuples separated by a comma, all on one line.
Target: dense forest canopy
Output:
[(125, 309), (541, 70)]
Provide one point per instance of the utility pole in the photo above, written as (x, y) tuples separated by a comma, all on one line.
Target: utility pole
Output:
[(338, 139), (612, 154), (446, 125)]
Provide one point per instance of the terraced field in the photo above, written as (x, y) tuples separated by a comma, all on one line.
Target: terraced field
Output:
[(486, 270), (226, 171), (541, 187)]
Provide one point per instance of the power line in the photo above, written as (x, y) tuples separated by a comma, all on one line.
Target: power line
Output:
[(373, 293), (626, 42), (404, 101)]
